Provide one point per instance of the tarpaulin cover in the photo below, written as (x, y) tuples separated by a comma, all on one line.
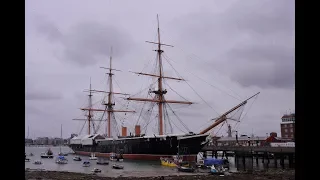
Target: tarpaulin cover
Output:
[(213, 161)]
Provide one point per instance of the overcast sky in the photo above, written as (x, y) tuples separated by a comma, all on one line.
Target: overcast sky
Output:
[(226, 50)]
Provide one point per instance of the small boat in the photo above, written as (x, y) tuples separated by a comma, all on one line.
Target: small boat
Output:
[(185, 169), (113, 157), (167, 162), (37, 162), (61, 142), (96, 170), (93, 157), (86, 164), (61, 160), (116, 166), (171, 162), (26, 160), (30, 154), (116, 157), (77, 158), (213, 170), (102, 161), (63, 154), (47, 154)]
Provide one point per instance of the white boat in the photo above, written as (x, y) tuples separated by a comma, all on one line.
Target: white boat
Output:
[(86, 164), (116, 166), (96, 170), (47, 154), (220, 170), (77, 158), (93, 157)]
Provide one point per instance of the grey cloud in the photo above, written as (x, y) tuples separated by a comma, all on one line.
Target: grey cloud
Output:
[(42, 96), (48, 28), (30, 109), (34, 93), (248, 36), (279, 72), (87, 43), (262, 17)]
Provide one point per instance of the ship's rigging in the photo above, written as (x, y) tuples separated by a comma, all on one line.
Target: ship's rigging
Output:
[(108, 105), (156, 98), (160, 92)]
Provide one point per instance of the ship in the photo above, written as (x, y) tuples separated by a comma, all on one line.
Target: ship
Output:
[(138, 145)]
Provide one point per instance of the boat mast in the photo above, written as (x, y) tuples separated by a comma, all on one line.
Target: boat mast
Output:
[(90, 106), (109, 106), (89, 109), (60, 137), (160, 100), (160, 96)]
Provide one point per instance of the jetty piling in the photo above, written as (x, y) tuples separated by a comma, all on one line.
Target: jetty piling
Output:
[(245, 155)]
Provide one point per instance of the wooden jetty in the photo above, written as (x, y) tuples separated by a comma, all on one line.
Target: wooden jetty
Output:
[(243, 153), (250, 148)]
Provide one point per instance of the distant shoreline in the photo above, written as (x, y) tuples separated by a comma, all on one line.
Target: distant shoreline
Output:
[(62, 175), (44, 145)]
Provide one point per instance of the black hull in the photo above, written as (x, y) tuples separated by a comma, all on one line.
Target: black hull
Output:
[(47, 157), (144, 148), (105, 163), (117, 167), (184, 169)]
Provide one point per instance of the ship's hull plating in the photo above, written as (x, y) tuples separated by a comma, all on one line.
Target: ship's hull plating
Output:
[(144, 148)]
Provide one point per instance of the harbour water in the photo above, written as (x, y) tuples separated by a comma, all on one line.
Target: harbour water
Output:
[(131, 167)]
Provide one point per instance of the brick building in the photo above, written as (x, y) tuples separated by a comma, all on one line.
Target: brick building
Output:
[(288, 126)]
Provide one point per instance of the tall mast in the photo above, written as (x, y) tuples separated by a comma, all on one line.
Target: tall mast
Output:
[(160, 95), (160, 100), (110, 105), (90, 109), (90, 106)]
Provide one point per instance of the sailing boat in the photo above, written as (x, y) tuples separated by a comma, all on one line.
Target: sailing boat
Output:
[(61, 141), (140, 146), (47, 154)]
